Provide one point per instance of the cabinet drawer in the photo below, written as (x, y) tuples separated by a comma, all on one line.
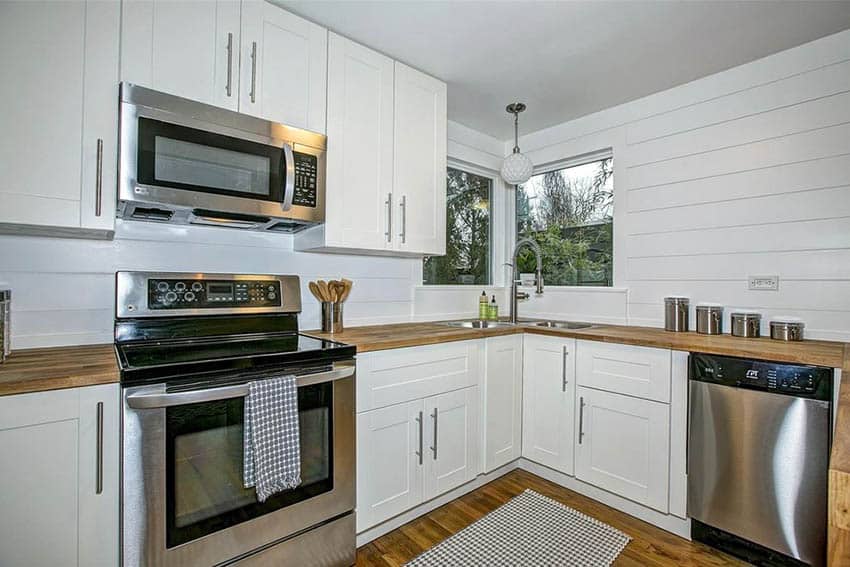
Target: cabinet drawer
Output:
[(394, 376), (623, 369)]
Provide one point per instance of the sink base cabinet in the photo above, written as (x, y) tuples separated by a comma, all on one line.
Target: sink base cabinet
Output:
[(52, 511)]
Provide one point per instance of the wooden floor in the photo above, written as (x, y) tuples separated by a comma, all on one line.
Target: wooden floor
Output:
[(650, 546)]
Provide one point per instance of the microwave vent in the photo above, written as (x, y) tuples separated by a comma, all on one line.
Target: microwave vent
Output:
[(152, 214)]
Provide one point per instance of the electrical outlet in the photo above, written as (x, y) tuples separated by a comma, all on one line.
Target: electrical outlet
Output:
[(764, 283)]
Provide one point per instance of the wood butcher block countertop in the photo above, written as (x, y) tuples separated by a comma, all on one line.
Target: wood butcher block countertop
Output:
[(40, 369)]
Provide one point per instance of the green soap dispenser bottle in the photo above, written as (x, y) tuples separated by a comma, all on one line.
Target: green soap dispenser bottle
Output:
[(483, 309), (493, 310)]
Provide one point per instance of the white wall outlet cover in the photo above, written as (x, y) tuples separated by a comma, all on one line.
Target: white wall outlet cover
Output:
[(763, 283)]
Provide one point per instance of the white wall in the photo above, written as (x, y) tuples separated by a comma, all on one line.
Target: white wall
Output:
[(746, 172)]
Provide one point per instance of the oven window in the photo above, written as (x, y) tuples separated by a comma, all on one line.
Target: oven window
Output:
[(204, 449), (179, 157)]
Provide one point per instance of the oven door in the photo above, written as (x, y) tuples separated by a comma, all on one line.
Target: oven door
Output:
[(184, 501)]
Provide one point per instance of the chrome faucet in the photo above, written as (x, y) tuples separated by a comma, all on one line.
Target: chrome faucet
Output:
[(516, 295)]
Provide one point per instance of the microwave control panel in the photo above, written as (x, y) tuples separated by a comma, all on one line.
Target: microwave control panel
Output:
[(306, 179), (206, 294)]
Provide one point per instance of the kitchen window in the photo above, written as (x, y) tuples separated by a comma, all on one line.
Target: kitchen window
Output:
[(468, 232), (570, 212)]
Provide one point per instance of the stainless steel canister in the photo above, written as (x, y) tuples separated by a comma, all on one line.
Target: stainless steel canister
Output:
[(5, 323), (332, 317), (746, 324), (676, 310), (710, 319), (787, 330)]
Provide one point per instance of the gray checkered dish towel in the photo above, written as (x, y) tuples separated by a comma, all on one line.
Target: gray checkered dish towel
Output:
[(272, 454)]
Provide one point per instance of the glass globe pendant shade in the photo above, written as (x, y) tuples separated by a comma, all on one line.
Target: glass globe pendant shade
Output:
[(517, 168)]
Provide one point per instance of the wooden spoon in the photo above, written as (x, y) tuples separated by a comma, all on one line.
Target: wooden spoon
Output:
[(314, 289), (323, 287), (346, 289)]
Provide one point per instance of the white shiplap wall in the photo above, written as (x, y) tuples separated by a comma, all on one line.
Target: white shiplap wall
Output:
[(746, 172)]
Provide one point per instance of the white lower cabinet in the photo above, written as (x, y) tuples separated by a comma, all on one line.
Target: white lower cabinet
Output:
[(59, 478), (623, 446), (411, 452), (502, 401), (548, 395)]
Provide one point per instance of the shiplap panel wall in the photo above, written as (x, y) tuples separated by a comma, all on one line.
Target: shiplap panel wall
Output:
[(746, 172), (63, 289)]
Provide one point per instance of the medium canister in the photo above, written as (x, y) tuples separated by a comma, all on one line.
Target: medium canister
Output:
[(746, 325), (710, 319), (786, 330), (676, 310)]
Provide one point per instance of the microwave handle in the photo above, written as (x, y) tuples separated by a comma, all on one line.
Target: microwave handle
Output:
[(155, 400), (289, 174)]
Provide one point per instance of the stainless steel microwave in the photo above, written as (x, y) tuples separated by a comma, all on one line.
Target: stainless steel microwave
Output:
[(185, 162)]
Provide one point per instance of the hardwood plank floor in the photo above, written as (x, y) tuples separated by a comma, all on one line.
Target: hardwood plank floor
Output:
[(650, 546)]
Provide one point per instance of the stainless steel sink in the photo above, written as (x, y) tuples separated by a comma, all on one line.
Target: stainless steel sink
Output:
[(573, 325), (478, 324)]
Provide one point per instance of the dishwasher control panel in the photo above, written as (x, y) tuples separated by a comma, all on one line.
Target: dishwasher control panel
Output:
[(793, 379)]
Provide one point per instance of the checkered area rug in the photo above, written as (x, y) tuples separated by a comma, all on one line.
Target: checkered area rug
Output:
[(529, 530)]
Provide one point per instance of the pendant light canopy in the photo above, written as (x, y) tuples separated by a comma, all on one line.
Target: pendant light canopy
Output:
[(516, 168)]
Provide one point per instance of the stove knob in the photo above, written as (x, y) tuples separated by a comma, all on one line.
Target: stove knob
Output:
[(170, 297), (197, 286), (271, 288), (162, 286), (180, 286), (272, 295), (189, 296)]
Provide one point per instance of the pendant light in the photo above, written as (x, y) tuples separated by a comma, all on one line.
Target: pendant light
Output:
[(516, 168)]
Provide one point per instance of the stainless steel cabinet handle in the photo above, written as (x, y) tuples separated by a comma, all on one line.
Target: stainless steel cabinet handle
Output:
[(98, 183), (389, 204), (434, 447), (403, 205), (419, 453), (253, 92), (99, 478), (228, 88), (564, 355), (580, 420)]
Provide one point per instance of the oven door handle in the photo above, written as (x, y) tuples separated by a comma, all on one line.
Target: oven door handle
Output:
[(289, 173), (156, 400)]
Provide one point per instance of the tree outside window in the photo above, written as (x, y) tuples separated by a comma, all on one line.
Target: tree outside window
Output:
[(468, 211), (570, 213)]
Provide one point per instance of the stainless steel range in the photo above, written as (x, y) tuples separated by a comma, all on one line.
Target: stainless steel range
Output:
[(188, 346)]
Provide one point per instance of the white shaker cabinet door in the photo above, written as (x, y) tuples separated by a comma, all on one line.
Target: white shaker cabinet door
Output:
[(623, 446), (284, 67), (548, 395), (419, 187), (502, 394), (390, 462), (451, 442), (360, 147), (186, 48)]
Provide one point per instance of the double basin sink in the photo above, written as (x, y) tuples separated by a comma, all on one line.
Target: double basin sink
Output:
[(480, 324)]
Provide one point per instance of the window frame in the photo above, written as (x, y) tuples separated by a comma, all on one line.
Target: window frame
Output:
[(572, 161)]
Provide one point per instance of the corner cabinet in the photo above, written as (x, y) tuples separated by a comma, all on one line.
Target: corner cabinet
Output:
[(59, 478), (502, 400), (59, 116), (386, 181)]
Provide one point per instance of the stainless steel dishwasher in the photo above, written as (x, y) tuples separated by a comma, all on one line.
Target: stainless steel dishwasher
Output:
[(758, 454)]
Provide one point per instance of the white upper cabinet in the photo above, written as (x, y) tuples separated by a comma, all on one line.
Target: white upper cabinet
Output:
[(59, 117), (419, 177), (360, 146), (189, 49), (284, 67)]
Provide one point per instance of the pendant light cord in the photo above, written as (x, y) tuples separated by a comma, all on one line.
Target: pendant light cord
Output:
[(516, 132)]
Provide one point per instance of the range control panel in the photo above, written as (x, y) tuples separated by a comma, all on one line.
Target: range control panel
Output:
[(793, 379), (306, 179), (206, 294)]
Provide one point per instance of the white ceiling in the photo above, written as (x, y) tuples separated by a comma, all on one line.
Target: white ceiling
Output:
[(568, 59)]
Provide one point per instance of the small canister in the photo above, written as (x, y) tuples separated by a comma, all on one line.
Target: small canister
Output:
[(5, 323), (786, 330), (709, 319), (746, 324), (676, 310)]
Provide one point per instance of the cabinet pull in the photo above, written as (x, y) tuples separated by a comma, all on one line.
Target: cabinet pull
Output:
[(403, 205), (434, 447), (228, 88), (98, 182), (99, 471), (580, 419), (565, 353), (389, 204), (420, 452), (253, 92)]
